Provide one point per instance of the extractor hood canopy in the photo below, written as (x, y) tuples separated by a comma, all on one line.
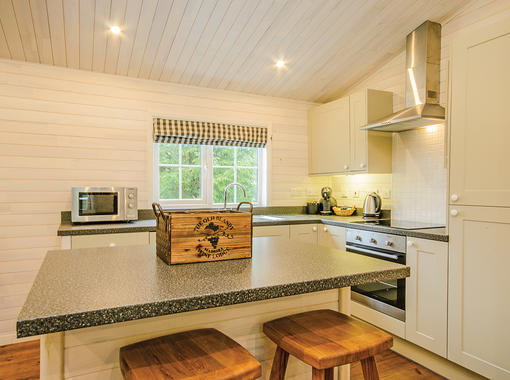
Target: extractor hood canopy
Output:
[(423, 57)]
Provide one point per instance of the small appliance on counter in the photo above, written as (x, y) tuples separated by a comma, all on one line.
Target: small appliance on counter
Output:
[(312, 207), (104, 204), (372, 206), (327, 201)]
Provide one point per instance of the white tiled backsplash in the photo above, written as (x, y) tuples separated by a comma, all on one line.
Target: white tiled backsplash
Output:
[(351, 189), (419, 175)]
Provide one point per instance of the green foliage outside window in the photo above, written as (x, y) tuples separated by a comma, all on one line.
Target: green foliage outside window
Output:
[(180, 172)]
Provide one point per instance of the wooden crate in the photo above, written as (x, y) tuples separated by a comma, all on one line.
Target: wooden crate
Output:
[(194, 236)]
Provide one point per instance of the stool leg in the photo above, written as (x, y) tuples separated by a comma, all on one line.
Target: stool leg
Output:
[(322, 374), (369, 369), (279, 367)]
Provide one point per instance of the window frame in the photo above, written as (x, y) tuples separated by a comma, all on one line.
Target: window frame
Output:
[(206, 172)]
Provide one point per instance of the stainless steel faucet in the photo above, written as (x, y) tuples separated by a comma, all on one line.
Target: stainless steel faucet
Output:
[(228, 187)]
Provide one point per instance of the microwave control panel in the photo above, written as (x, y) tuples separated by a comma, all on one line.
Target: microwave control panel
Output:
[(131, 203)]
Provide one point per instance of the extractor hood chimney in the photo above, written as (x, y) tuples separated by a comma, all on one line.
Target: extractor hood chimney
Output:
[(423, 56)]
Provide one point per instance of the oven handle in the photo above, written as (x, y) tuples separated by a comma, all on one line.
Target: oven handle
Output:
[(371, 252)]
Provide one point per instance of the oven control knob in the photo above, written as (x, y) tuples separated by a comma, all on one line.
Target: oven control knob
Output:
[(131, 205), (389, 243), (131, 196), (373, 241), (358, 238)]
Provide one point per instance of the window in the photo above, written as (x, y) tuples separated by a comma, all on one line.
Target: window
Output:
[(198, 174)]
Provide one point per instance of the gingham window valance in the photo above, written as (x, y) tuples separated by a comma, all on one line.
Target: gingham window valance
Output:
[(207, 133)]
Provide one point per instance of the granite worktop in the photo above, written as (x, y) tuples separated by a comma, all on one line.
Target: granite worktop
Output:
[(99, 286), (149, 225)]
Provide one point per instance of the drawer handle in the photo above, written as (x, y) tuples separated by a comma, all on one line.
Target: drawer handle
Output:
[(112, 245)]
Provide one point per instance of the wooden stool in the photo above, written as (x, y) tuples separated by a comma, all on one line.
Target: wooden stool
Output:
[(325, 339), (197, 354)]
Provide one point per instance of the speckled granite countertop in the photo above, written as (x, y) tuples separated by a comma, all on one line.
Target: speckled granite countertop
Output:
[(439, 234), (98, 286)]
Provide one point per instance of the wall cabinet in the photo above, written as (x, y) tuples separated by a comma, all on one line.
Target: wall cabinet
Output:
[(337, 145), (328, 127), (331, 236), (109, 240), (427, 294), (307, 233)]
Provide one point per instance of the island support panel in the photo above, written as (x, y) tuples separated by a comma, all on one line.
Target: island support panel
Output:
[(93, 353)]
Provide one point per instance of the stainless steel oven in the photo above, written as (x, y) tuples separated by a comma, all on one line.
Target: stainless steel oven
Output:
[(387, 297), (104, 204)]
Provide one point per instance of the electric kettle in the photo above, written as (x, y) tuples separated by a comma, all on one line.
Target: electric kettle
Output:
[(372, 205)]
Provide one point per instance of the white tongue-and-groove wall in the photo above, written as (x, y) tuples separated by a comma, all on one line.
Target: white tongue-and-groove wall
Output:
[(61, 128)]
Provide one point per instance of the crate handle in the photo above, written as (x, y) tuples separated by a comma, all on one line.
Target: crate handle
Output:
[(158, 211), (245, 203)]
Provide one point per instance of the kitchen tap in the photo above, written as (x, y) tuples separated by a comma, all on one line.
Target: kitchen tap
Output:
[(228, 187)]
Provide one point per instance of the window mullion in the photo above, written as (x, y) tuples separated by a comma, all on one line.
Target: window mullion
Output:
[(235, 174), (180, 171)]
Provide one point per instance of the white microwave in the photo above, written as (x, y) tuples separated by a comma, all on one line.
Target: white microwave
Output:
[(104, 204)]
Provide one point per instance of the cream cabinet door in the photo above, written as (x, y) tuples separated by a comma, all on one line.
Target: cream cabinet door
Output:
[(328, 128), (331, 236), (152, 237), (478, 287), (427, 294), (280, 233), (358, 138), (480, 117), (304, 232), (109, 240)]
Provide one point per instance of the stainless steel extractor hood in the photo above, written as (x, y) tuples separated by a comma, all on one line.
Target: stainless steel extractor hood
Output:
[(423, 56)]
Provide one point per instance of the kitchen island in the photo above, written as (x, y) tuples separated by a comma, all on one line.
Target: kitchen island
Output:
[(87, 303)]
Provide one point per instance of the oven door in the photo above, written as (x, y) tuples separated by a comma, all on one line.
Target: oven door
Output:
[(388, 297), (97, 204)]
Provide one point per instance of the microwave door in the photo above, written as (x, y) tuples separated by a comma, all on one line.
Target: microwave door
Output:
[(103, 203)]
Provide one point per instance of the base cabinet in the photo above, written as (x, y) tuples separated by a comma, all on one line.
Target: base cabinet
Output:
[(280, 233), (478, 285), (332, 236), (307, 233), (426, 294), (109, 240)]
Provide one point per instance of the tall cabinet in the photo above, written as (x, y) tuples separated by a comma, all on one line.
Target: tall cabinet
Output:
[(479, 221), (338, 146)]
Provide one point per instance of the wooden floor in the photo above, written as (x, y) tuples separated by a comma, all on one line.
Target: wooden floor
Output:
[(21, 362), (393, 366)]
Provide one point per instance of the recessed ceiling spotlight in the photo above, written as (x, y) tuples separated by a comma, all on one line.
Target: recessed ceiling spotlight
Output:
[(115, 29), (280, 63)]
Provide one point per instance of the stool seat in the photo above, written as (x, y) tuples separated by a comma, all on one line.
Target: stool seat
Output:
[(197, 354), (326, 338)]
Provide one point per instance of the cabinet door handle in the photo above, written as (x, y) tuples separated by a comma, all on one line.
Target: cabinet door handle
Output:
[(112, 245), (454, 212), (314, 228), (325, 229), (362, 165), (346, 167), (410, 243), (454, 197)]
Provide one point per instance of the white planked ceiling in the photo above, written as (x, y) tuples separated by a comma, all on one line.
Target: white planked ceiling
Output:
[(328, 45)]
